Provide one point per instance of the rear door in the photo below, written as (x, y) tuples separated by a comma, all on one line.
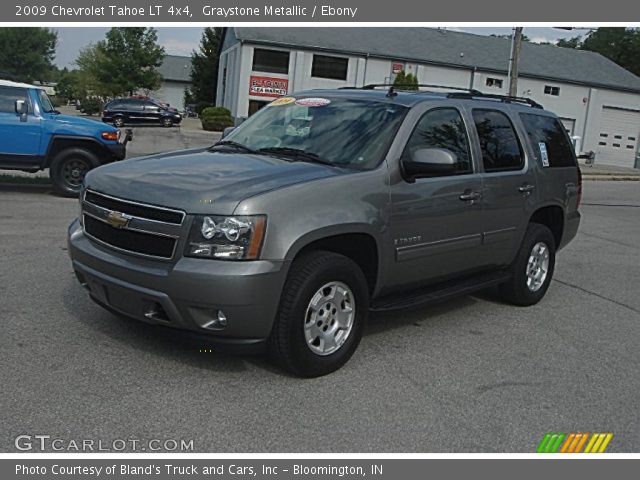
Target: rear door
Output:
[(135, 111), (435, 222), (152, 112), (19, 141), (508, 184)]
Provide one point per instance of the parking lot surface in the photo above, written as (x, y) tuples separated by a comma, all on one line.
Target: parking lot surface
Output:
[(469, 375)]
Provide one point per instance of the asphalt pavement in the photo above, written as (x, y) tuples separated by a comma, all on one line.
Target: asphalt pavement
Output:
[(469, 375)]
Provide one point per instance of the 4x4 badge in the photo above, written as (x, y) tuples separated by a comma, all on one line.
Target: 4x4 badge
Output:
[(117, 219)]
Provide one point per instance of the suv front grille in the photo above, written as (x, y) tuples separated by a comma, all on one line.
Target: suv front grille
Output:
[(136, 209), (132, 227), (129, 240)]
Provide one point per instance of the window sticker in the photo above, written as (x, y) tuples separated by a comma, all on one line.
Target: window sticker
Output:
[(313, 102), (283, 101), (543, 154)]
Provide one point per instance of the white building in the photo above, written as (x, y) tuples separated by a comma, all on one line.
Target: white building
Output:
[(176, 76), (597, 100)]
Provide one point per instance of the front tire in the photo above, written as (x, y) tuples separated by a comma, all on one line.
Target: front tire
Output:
[(533, 267), (322, 314), (166, 122), (68, 169), (118, 122)]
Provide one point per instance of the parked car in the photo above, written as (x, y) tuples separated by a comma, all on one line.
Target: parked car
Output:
[(327, 205), (35, 136), (126, 111)]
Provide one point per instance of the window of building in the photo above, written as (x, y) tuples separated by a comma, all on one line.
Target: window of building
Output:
[(334, 68), (270, 61), (549, 90), (442, 128), (549, 131), (494, 82), (255, 105), (8, 97), (499, 143)]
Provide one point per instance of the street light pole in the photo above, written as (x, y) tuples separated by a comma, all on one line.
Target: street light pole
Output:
[(514, 61)]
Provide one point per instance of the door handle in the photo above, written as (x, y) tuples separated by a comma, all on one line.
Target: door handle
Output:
[(469, 196), (528, 188)]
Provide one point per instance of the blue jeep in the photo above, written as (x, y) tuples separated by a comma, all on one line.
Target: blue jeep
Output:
[(35, 136)]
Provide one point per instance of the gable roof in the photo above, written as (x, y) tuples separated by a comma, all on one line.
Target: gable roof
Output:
[(451, 48), (176, 68)]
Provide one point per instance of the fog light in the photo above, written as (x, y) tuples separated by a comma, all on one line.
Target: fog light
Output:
[(208, 318)]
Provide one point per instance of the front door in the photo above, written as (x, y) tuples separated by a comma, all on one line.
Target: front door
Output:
[(19, 140), (435, 223)]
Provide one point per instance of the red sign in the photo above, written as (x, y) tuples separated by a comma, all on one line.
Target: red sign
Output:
[(396, 68), (268, 86)]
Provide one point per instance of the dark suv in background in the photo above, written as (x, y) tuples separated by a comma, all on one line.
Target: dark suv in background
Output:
[(123, 111)]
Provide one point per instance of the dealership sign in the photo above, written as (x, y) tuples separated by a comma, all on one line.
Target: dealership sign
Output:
[(268, 86)]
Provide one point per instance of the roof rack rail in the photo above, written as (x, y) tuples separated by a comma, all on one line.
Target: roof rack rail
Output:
[(502, 98), (371, 86)]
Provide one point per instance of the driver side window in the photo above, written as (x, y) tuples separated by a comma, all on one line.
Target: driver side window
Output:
[(442, 128)]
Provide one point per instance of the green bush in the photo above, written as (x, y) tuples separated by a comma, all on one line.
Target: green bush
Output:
[(215, 112), (200, 106), (90, 106), (216, 123)]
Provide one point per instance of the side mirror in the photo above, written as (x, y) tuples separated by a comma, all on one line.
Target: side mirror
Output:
[(426, 162), (227, 131), (22, 109)]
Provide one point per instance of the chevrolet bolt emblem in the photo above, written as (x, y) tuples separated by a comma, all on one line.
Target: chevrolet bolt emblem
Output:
[(117, 219)]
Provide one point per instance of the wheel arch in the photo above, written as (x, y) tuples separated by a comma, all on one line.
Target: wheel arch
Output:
[(552, 217), (358, 244), (61, 143)]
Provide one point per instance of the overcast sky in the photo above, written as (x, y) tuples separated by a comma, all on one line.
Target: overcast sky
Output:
[(182, 40)]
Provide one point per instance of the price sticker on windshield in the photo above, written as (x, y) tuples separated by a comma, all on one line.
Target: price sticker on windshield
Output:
[(313, 102), (283, 101)]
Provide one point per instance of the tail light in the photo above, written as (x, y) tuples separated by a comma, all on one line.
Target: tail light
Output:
[(579, 195)]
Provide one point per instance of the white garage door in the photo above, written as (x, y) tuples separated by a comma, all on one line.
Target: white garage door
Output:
[(569, 125), (618, 138)]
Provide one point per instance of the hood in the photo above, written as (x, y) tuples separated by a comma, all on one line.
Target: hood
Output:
[(199, 181), (82, 122)]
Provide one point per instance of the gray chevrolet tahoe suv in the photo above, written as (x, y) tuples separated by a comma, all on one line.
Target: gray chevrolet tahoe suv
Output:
[(326, 205)]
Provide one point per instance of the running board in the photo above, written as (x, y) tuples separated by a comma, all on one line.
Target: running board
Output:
[(439, 292)]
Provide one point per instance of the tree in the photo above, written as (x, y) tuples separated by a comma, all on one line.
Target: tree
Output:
[(126, 61), (621, 45), (401, 79), (27, 53), (204, 66), (405, 81), (525, 38)]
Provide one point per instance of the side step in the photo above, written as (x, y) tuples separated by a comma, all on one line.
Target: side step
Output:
[(439, 292)]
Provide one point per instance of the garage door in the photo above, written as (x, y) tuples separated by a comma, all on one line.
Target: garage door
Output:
[(618, 140), (569, 125)]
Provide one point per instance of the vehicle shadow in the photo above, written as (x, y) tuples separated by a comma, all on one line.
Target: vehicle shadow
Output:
[(196, 351), (26, 187)]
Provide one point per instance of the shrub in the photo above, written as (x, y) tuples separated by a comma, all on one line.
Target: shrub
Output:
[(216, 123), (215, 112), (90, 106), (200, 106)]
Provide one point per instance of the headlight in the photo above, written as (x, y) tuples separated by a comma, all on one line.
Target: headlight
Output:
[(229, 238)]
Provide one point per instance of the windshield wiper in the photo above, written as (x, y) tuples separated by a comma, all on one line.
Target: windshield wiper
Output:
[(232, 144), (296, 153)]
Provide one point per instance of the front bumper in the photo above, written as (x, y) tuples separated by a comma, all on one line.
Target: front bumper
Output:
[(185, 294)]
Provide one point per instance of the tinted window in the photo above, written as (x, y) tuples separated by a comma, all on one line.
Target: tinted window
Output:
[(134, 105), (442, 128), (154, 107), (272, 61), (329, 67), (547, 134), (114, 106), (499, 143), (8, 97)]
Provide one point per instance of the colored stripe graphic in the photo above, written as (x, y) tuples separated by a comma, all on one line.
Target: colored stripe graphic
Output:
[(573, 442)]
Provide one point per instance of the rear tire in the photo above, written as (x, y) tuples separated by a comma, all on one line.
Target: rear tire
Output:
[(533, 267), (322, 314), (68, 169)]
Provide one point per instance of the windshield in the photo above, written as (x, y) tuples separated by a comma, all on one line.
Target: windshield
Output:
[(342, 132), (47, 106)]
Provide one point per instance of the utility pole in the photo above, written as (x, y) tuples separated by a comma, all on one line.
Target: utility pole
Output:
[(516, 42)]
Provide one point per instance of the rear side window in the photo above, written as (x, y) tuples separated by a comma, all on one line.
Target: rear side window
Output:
[(549, 140), (442, 128), (501, 149), (8, 97)]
